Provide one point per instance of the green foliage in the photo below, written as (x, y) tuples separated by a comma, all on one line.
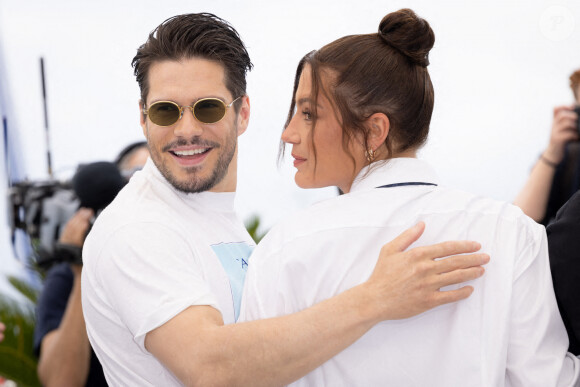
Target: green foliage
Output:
[(253, 226), (24, 288), (17, 360)]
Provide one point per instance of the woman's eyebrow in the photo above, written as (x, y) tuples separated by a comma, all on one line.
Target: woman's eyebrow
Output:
[(302, 101)]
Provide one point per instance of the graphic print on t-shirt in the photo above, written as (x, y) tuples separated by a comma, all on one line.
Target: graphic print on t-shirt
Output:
[(234, 259)]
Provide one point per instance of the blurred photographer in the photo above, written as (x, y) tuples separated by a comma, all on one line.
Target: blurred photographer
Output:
[(132, 158), (65, 355), (556, 175)]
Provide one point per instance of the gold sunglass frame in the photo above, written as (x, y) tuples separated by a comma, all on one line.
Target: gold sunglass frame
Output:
[(192, 108)]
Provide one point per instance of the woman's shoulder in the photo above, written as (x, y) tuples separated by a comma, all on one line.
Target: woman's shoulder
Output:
[(308, 220)]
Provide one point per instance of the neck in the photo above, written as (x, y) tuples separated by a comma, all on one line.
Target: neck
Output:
[(411, 153), (408, 153)]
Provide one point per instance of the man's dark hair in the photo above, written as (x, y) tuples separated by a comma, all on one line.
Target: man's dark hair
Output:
[(202, 35)]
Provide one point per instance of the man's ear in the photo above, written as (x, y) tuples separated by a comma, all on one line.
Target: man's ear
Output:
[(142, 118), (379, 126), (244, 115)]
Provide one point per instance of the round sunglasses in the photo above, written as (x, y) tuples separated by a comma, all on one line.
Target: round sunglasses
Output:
[(205, 110)]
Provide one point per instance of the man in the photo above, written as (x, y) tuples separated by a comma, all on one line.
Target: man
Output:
[(165, 262)]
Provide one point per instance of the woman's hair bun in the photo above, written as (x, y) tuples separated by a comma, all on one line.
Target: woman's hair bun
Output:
[(409, 34)]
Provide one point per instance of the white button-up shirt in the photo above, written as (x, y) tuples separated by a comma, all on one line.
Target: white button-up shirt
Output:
[(507, 333)]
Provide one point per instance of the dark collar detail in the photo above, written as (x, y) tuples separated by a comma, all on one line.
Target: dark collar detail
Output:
[(403, 184)]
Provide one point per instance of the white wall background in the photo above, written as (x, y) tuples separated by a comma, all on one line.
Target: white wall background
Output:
[(498, 68)]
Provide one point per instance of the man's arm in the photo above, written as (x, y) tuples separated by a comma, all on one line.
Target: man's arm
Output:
[(65, 352), (200, 350), (533, 198)]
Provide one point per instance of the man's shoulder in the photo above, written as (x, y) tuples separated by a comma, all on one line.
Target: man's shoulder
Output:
[(138, 202)]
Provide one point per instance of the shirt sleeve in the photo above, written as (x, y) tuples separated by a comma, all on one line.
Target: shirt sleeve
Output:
[(149, 274)]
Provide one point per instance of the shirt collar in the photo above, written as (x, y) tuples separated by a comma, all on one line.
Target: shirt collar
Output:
[(394, 171)]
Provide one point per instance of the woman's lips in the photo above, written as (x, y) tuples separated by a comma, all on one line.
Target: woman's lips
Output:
[(298, 160)]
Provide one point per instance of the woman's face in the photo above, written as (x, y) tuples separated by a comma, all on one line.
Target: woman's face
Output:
[(334, 166)]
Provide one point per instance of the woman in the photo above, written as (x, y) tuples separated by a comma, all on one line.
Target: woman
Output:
[(361, 110)]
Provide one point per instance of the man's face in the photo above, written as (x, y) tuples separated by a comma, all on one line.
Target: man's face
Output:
[(193, 156)]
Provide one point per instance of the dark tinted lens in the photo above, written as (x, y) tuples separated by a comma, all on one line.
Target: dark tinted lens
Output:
[(163, 113), (209, 110)]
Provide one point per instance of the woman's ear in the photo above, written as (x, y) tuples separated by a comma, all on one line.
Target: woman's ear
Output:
[(379, 126)]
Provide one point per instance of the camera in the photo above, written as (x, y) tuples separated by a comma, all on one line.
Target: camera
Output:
[(41, 209)]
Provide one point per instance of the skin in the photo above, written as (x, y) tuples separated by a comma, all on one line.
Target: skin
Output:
[(65, 352), (136, 160), (196, 345), (332, 165), (215, 168), (2, 329)]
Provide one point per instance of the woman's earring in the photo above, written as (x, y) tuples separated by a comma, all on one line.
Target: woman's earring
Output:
[(370, 155)]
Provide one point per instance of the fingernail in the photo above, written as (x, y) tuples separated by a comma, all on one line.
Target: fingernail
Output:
[(486, 258)]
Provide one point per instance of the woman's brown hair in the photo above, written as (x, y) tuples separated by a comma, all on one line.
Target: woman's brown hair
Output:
[(383, 72)]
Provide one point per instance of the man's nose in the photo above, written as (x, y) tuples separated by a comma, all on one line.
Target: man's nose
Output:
[(188, 125)]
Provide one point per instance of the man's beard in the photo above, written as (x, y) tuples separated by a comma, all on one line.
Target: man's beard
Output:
[(194, 183)]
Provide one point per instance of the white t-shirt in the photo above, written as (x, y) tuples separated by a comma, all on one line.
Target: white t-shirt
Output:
[(151, 254), (508, 333)]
